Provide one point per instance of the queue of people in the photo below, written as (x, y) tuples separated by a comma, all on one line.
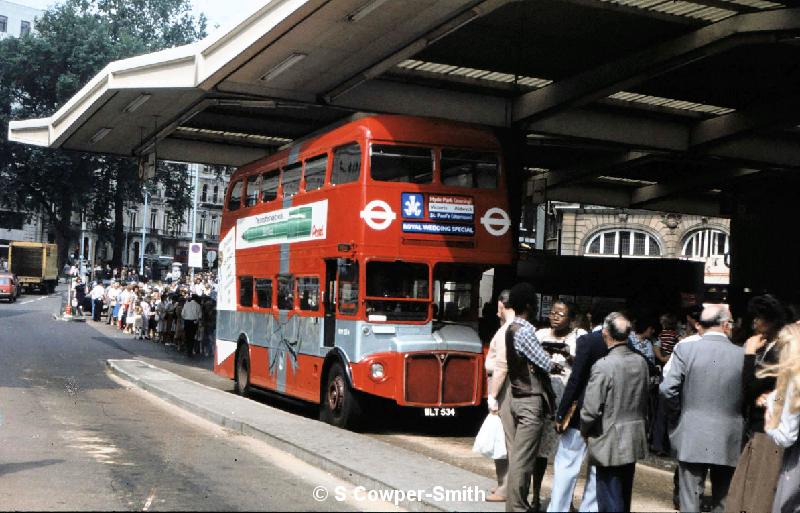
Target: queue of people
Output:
[(181, 313), (725, 411)]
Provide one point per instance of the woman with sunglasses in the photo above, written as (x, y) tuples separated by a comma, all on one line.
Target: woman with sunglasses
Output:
[(559, 340)]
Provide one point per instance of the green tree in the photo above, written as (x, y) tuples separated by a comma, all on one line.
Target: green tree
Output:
[(40, 72)]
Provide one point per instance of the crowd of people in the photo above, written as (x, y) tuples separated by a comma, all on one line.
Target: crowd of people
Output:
[(179, 311), (628, 386)]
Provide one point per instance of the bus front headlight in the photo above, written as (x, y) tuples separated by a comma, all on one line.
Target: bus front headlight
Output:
[(377, 371)]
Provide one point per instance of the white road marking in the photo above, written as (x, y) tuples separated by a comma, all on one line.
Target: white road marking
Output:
[(149, 500), (100, 449)]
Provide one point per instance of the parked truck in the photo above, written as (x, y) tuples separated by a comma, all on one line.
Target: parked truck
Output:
[(35, 264)]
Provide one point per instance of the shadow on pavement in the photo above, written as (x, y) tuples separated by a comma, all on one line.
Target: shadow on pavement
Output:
[(10, 468)]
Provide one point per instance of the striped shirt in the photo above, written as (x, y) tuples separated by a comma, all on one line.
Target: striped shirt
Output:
[(668, 339), (526, 344)]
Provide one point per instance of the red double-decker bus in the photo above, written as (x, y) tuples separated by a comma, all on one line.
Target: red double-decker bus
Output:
[(350, 266)]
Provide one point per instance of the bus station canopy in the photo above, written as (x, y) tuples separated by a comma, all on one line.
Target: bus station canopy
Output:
[(657, 104)]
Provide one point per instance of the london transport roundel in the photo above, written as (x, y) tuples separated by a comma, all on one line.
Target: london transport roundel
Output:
[(378, 215), (496, 221)]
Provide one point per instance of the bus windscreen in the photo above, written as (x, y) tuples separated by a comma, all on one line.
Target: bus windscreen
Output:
[(397, 291)]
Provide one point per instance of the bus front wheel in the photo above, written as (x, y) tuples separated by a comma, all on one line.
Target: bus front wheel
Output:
[(242, 381), (341, 405)]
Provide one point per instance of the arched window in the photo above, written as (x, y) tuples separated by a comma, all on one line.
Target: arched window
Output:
[(204, 194), (621, 242), (216, 195), (705, 243)]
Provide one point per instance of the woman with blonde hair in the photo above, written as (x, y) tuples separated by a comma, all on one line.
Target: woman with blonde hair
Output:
[(783, 418)]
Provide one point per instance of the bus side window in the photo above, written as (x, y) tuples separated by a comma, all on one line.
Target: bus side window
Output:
[(269, 185), (315, 172), (246, 291), (463, 168), (285, 293), (346, 164), (410, 164), (235, 199), (308, 293), (251, 195), (290, 181), (348, 287), (264, 292)]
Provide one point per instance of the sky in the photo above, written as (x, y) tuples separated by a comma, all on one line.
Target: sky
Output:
[(218, 12)]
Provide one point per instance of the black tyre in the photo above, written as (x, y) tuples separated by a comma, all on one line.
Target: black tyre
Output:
[(242, 371), (341, 405)]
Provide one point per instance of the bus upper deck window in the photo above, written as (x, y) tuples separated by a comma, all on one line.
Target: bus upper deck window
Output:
[(235, 199), (401, 164), (315, 172), (291, 179), (475, 169), (346, 164), (251, 195), (269, 185)]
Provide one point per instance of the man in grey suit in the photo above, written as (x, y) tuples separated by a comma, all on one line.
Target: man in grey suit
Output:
[(703, 389), (613, 416)]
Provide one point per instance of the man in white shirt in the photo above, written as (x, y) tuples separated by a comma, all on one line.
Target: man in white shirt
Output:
[(97, 293), (192, 313), (198, 287)]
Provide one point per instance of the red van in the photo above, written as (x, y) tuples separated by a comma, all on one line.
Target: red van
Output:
[(9, 287)]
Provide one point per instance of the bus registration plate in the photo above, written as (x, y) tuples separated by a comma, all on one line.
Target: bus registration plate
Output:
[(440, 412)]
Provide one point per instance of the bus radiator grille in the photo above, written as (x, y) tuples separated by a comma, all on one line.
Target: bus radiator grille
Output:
[(440, 379)]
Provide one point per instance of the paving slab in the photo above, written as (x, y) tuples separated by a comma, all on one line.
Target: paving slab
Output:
[(354, 457)]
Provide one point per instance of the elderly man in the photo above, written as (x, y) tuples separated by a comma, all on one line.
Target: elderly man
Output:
[(613, 416), (704, 389)]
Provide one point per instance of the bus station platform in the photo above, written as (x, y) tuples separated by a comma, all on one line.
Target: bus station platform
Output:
[(355, 458)]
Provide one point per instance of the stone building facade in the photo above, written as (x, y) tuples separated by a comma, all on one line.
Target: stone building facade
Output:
[(603, 232)]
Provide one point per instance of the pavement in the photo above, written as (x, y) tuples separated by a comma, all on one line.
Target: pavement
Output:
[(358, 459)]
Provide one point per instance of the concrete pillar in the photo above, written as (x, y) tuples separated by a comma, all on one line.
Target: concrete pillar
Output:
[(513, 142), (764, 253)]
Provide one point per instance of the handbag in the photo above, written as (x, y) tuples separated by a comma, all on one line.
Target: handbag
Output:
[(491, 439)]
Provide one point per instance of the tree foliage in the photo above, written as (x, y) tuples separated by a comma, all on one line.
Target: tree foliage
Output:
[(73, 41)]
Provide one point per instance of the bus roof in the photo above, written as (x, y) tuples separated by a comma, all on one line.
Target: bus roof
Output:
[(409, 129)]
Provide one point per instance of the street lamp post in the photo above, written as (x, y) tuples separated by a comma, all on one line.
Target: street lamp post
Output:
[(144, 234), (194, 210), (126, 260), (81, 271)]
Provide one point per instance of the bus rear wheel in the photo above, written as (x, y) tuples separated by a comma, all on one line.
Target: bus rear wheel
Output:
[(242, 381), (341, 405)]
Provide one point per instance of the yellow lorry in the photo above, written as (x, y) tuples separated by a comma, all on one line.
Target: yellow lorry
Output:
[(35, 264)]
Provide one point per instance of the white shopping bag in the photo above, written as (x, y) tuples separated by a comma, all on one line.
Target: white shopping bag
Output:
[(491, 440)]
